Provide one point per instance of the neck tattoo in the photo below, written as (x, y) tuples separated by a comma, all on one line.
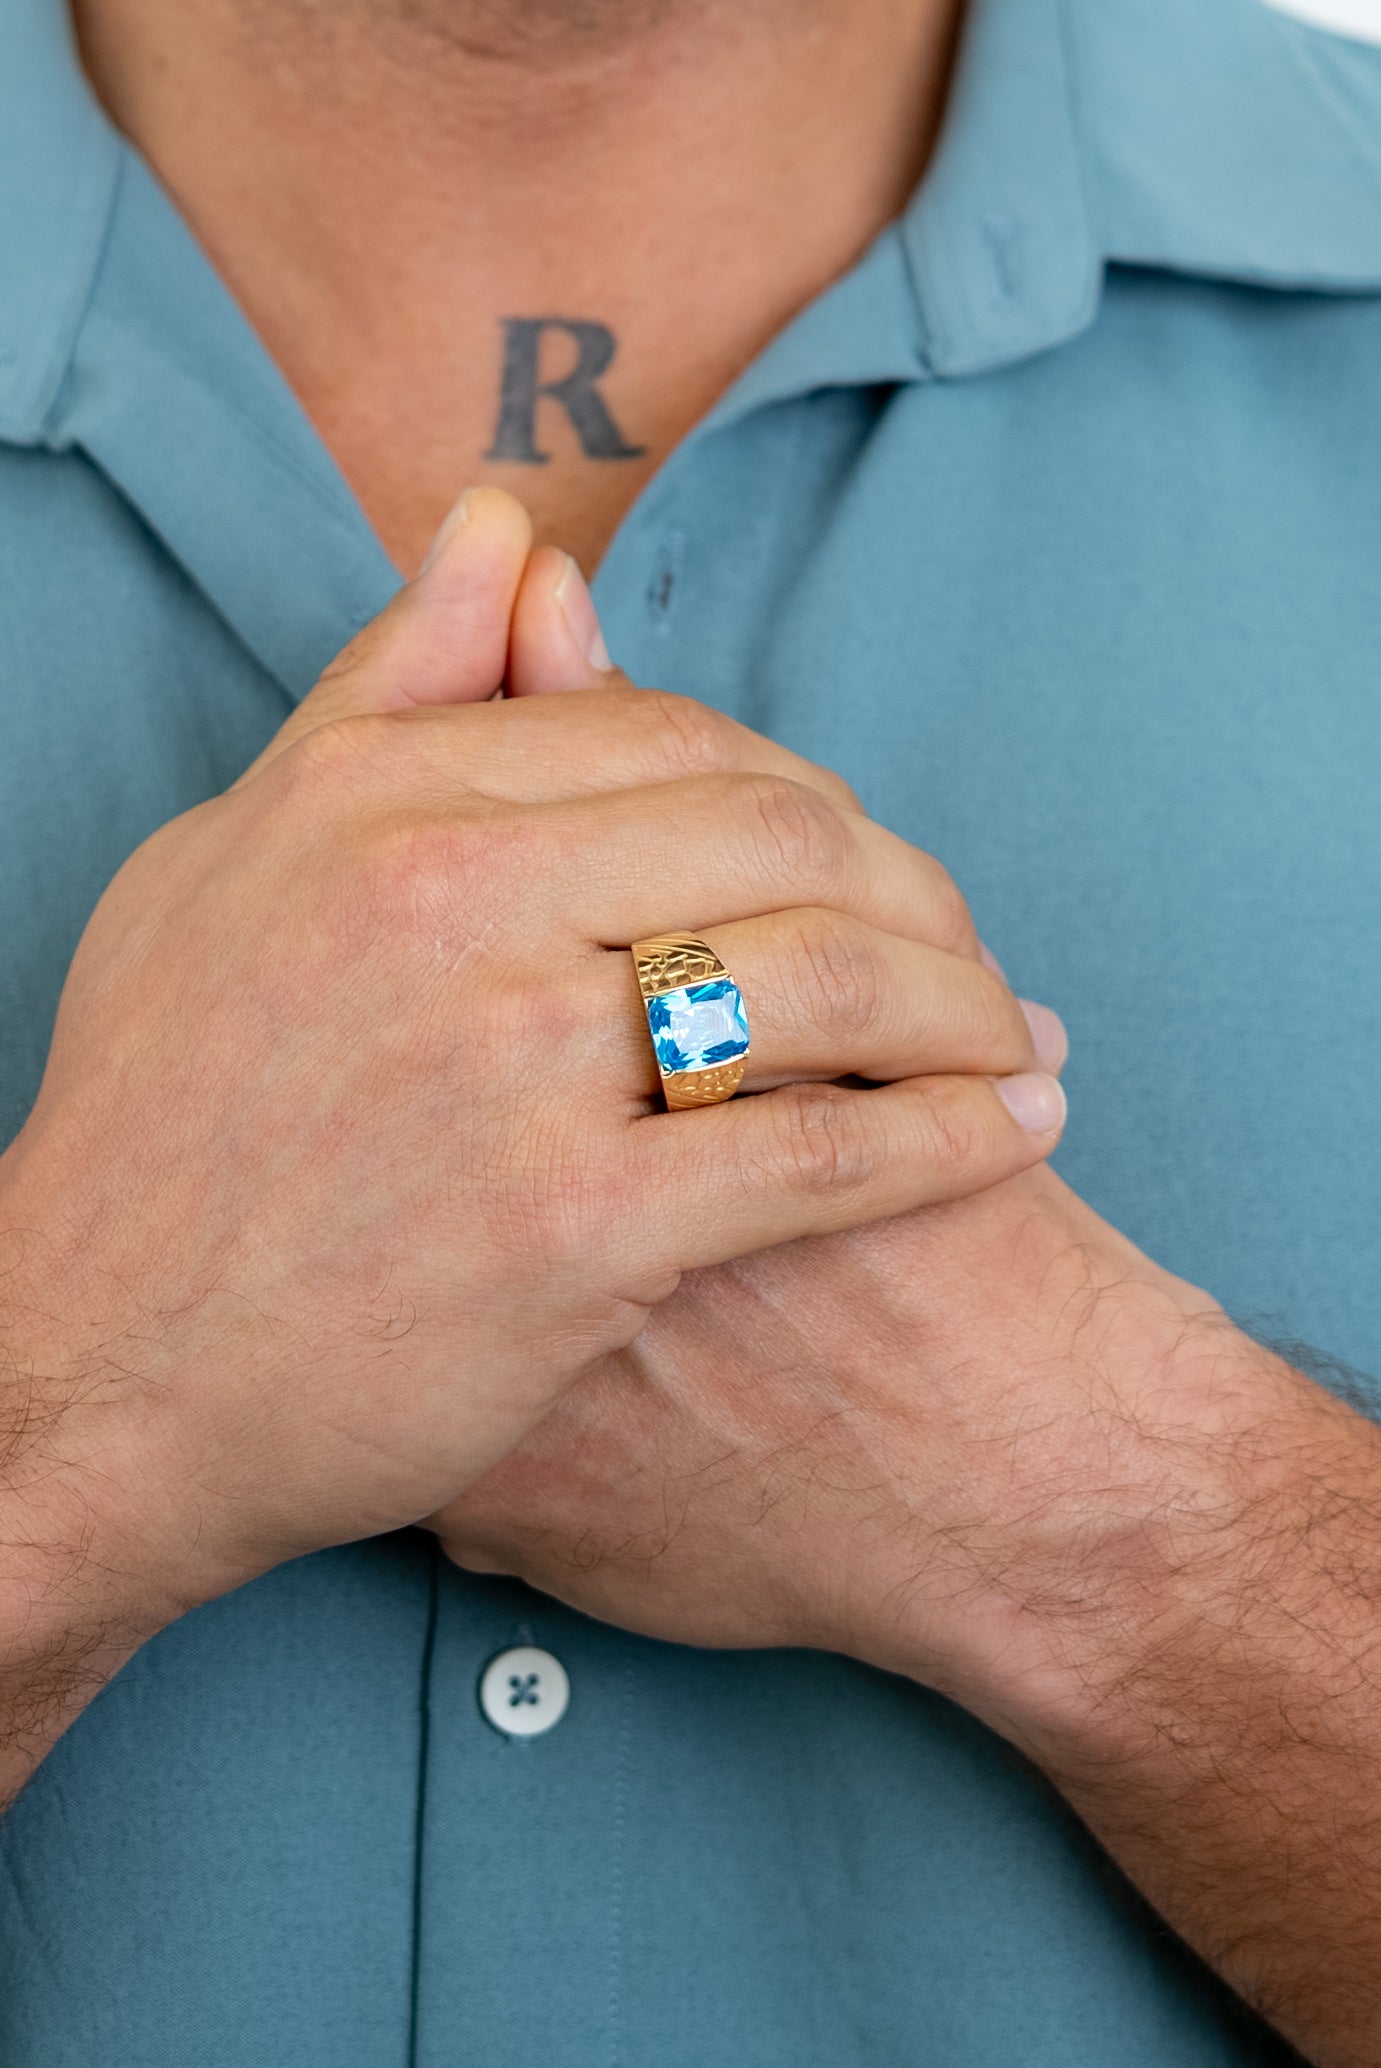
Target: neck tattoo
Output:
[(522, 388)]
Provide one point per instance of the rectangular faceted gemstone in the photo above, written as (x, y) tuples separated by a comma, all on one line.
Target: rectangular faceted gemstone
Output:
[(699, 1026)]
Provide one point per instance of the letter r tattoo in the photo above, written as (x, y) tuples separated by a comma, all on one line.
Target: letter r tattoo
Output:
[(515, 436)]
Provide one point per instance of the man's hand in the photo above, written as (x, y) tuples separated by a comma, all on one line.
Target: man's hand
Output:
[(993, 1447), (882, 1443), (343, 1165)]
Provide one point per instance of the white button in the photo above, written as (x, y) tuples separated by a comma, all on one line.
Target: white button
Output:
[(524, 1692)]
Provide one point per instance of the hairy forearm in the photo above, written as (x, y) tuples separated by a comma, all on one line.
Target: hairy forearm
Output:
[(65, 1630), (82, 1584), (1212, 1708)]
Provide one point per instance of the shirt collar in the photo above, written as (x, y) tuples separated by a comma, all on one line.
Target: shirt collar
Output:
[(58, 165), (1216, 138), (173, 396)]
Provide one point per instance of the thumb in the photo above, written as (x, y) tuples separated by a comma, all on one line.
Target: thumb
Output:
[(556, 642), (443, 639)]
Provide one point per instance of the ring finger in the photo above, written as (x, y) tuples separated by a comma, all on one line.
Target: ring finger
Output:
[(829, 996)]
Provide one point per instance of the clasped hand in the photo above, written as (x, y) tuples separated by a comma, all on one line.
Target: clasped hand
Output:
[(838, 1439), (348, 1202), (347, 1161)]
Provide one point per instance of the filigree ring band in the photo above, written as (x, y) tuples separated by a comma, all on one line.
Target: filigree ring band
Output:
[(696, 1016)]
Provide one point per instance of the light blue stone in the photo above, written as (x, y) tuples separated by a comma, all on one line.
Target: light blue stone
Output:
[(699, 1026)]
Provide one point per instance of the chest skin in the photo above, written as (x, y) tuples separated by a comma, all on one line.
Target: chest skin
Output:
[(544, 408), (1103, 634)]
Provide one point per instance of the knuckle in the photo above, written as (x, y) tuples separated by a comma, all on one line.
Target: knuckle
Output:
[(543, 1018), (954, 925), (388, 901), (800, 837), (338, 754), (689, 736), (570, 1206), (653, 735), (836, 789), (836, 978), (424, 873), (954, 1135), (1000, 1037), (356, 654), (821, 1141)]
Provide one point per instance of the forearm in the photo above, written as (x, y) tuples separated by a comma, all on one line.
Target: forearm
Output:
[(66, 1628), (83, 1581), (1209, 1702)]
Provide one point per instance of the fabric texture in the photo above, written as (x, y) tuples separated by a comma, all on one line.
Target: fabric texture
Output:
[(1054, 526)]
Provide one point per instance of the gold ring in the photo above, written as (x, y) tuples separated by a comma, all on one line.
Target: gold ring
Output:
[(696, 1017)]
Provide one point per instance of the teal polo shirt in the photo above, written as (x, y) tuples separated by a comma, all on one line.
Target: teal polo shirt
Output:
[(1056, 526)]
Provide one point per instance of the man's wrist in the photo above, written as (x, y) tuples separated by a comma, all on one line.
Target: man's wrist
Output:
[(1189, 1655), (73, 1609), (97, 1549), (1194, 1562)]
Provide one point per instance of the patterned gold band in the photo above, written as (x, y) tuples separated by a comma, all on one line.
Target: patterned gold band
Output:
[(696, 1017)]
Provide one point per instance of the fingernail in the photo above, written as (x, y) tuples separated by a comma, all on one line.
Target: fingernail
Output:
[(990, 961), (1048, 1036), (450, 525), (578, 609), (1036, 1102)]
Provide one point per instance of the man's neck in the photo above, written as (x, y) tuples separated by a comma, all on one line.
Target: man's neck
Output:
[(435, 216)]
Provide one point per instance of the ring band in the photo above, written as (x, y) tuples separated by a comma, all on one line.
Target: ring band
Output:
[(696, 1017)]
